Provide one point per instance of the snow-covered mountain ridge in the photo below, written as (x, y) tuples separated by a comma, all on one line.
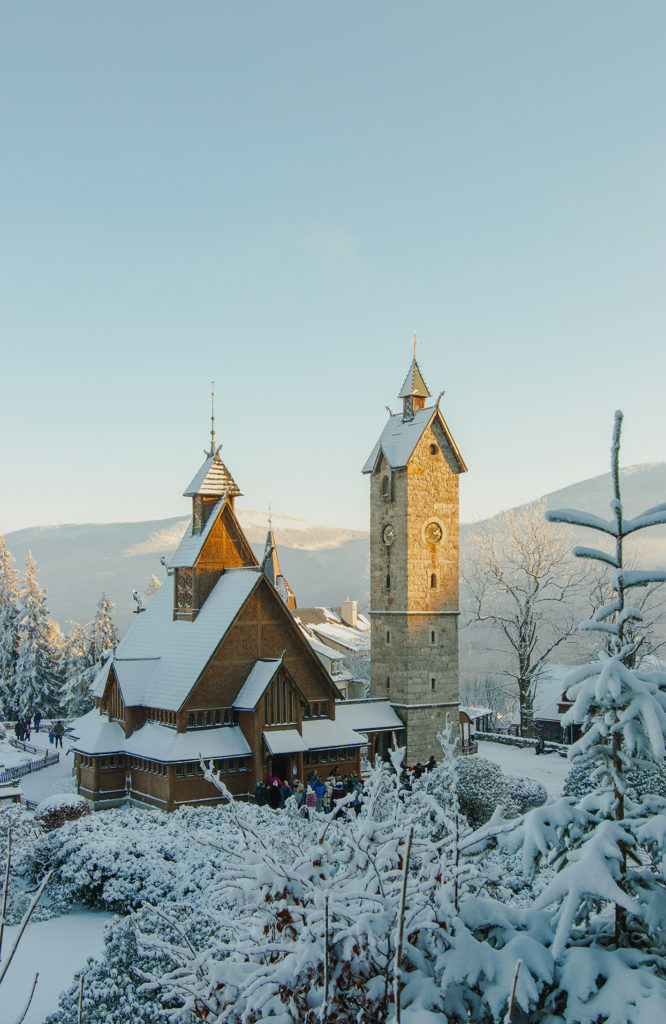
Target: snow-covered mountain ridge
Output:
[(322, 563)]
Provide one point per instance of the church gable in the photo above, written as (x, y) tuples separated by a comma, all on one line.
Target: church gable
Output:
[(225, 545), (112, 701), (263, 629)]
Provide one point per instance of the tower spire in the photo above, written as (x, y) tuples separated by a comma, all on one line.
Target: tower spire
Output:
[(213, 449)]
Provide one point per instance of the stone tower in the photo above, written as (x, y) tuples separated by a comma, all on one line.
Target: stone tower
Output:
[(414, 567)]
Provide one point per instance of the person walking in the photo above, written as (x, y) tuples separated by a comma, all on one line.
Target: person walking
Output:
[(38, 720), (58, 733)]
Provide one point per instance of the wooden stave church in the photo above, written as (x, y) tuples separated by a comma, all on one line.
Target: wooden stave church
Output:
[(215, 667)]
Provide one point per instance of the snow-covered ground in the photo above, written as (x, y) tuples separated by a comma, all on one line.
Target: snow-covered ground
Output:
[(57, 778), (549, 769), (56, 949)]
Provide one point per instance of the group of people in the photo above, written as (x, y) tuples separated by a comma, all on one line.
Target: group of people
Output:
[(315, 794), (24, 725), (410, 772)]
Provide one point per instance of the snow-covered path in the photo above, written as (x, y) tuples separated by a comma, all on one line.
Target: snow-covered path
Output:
[(57, 949), (57, 778), (549, 769)]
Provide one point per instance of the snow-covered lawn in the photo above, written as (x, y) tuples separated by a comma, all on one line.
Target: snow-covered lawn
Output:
[(549, 769), (57, 949)]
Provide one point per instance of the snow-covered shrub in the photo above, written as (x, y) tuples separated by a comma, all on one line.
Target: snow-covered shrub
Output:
[(641, 780), (112, 985), (56, 810), (482, 788), (368, 919), (525, 793)]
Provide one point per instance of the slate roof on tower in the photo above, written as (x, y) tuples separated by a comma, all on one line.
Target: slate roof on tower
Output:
[(213, 479), (414, 383), (400, 437)]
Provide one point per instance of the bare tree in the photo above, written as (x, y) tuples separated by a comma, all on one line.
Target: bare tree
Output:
[(521, 581)]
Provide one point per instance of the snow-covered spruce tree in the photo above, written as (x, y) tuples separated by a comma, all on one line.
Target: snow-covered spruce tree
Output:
[(350, 919), (81, 656), (607, 902), (37, 681), (9, 616)]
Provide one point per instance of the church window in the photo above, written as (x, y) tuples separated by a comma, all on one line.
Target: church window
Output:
[(209, 718), (291, 706), (190, 719), (388, 636), (432, 636), (266, 714), (432, 683), (226, 717), (433, 581), (433, 449), (386, 493), (388, 682), (388, 581), (179, 771), (190, 769), (200, 719), (217, 717)]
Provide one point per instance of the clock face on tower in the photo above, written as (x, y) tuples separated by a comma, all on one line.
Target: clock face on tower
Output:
[(433, 533), (388, 535)]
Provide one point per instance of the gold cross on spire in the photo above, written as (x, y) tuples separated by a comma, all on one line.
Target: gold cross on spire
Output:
[(414, 341)]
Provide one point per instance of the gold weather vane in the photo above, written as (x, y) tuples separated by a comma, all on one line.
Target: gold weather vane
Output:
[(414, 341)]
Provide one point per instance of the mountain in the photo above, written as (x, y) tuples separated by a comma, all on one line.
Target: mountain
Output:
[(323, 564), (78, 562)]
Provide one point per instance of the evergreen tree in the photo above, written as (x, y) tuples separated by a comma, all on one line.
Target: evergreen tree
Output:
[(82, 655), (37, 680), (9, 616)]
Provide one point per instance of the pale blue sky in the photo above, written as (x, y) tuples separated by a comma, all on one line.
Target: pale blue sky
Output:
[(276, 195)]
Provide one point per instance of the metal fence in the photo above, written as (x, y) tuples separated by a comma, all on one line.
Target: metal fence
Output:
[(10, 774)]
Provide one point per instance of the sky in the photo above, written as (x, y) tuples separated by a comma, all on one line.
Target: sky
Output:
[(276, 196)]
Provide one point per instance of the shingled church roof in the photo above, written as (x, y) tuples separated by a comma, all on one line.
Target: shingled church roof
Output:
[(213, 480)]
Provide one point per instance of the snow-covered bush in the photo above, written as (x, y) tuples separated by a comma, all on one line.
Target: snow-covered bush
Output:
[(57, 810), (482, 788), (525, 793), (112, 985), (640, 781)]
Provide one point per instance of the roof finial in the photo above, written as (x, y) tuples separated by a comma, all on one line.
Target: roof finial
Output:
[(414, 341), (270, 516)]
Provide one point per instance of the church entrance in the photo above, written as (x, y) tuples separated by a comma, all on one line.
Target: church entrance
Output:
[(282, 767)]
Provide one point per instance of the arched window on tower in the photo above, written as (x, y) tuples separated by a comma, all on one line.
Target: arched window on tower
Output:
[(388, 581), (433, 580)]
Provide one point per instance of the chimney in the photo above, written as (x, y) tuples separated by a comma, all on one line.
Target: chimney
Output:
[(349, 612)]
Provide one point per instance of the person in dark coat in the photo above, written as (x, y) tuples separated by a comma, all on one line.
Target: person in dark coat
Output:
[(58, 732), (432, 763), (19, 729), (274, 800), (261, 794), (38, 719), (285, 793)]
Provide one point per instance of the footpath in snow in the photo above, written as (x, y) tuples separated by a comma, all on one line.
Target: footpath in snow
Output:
[(549, 769)]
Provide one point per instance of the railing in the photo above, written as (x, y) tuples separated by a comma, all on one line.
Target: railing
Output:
[(28, 747), (469, 748), (10, 774)]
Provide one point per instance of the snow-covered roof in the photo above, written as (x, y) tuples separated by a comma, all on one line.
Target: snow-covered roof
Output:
[(548, 693), (284, 741), (96, 735), (367, 715), (322, 732), (180, 649), (400, 437), (322, 649), (99, 682), (475, 713), (346, 636), (213, 478), (261, 674), (190, 546)]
